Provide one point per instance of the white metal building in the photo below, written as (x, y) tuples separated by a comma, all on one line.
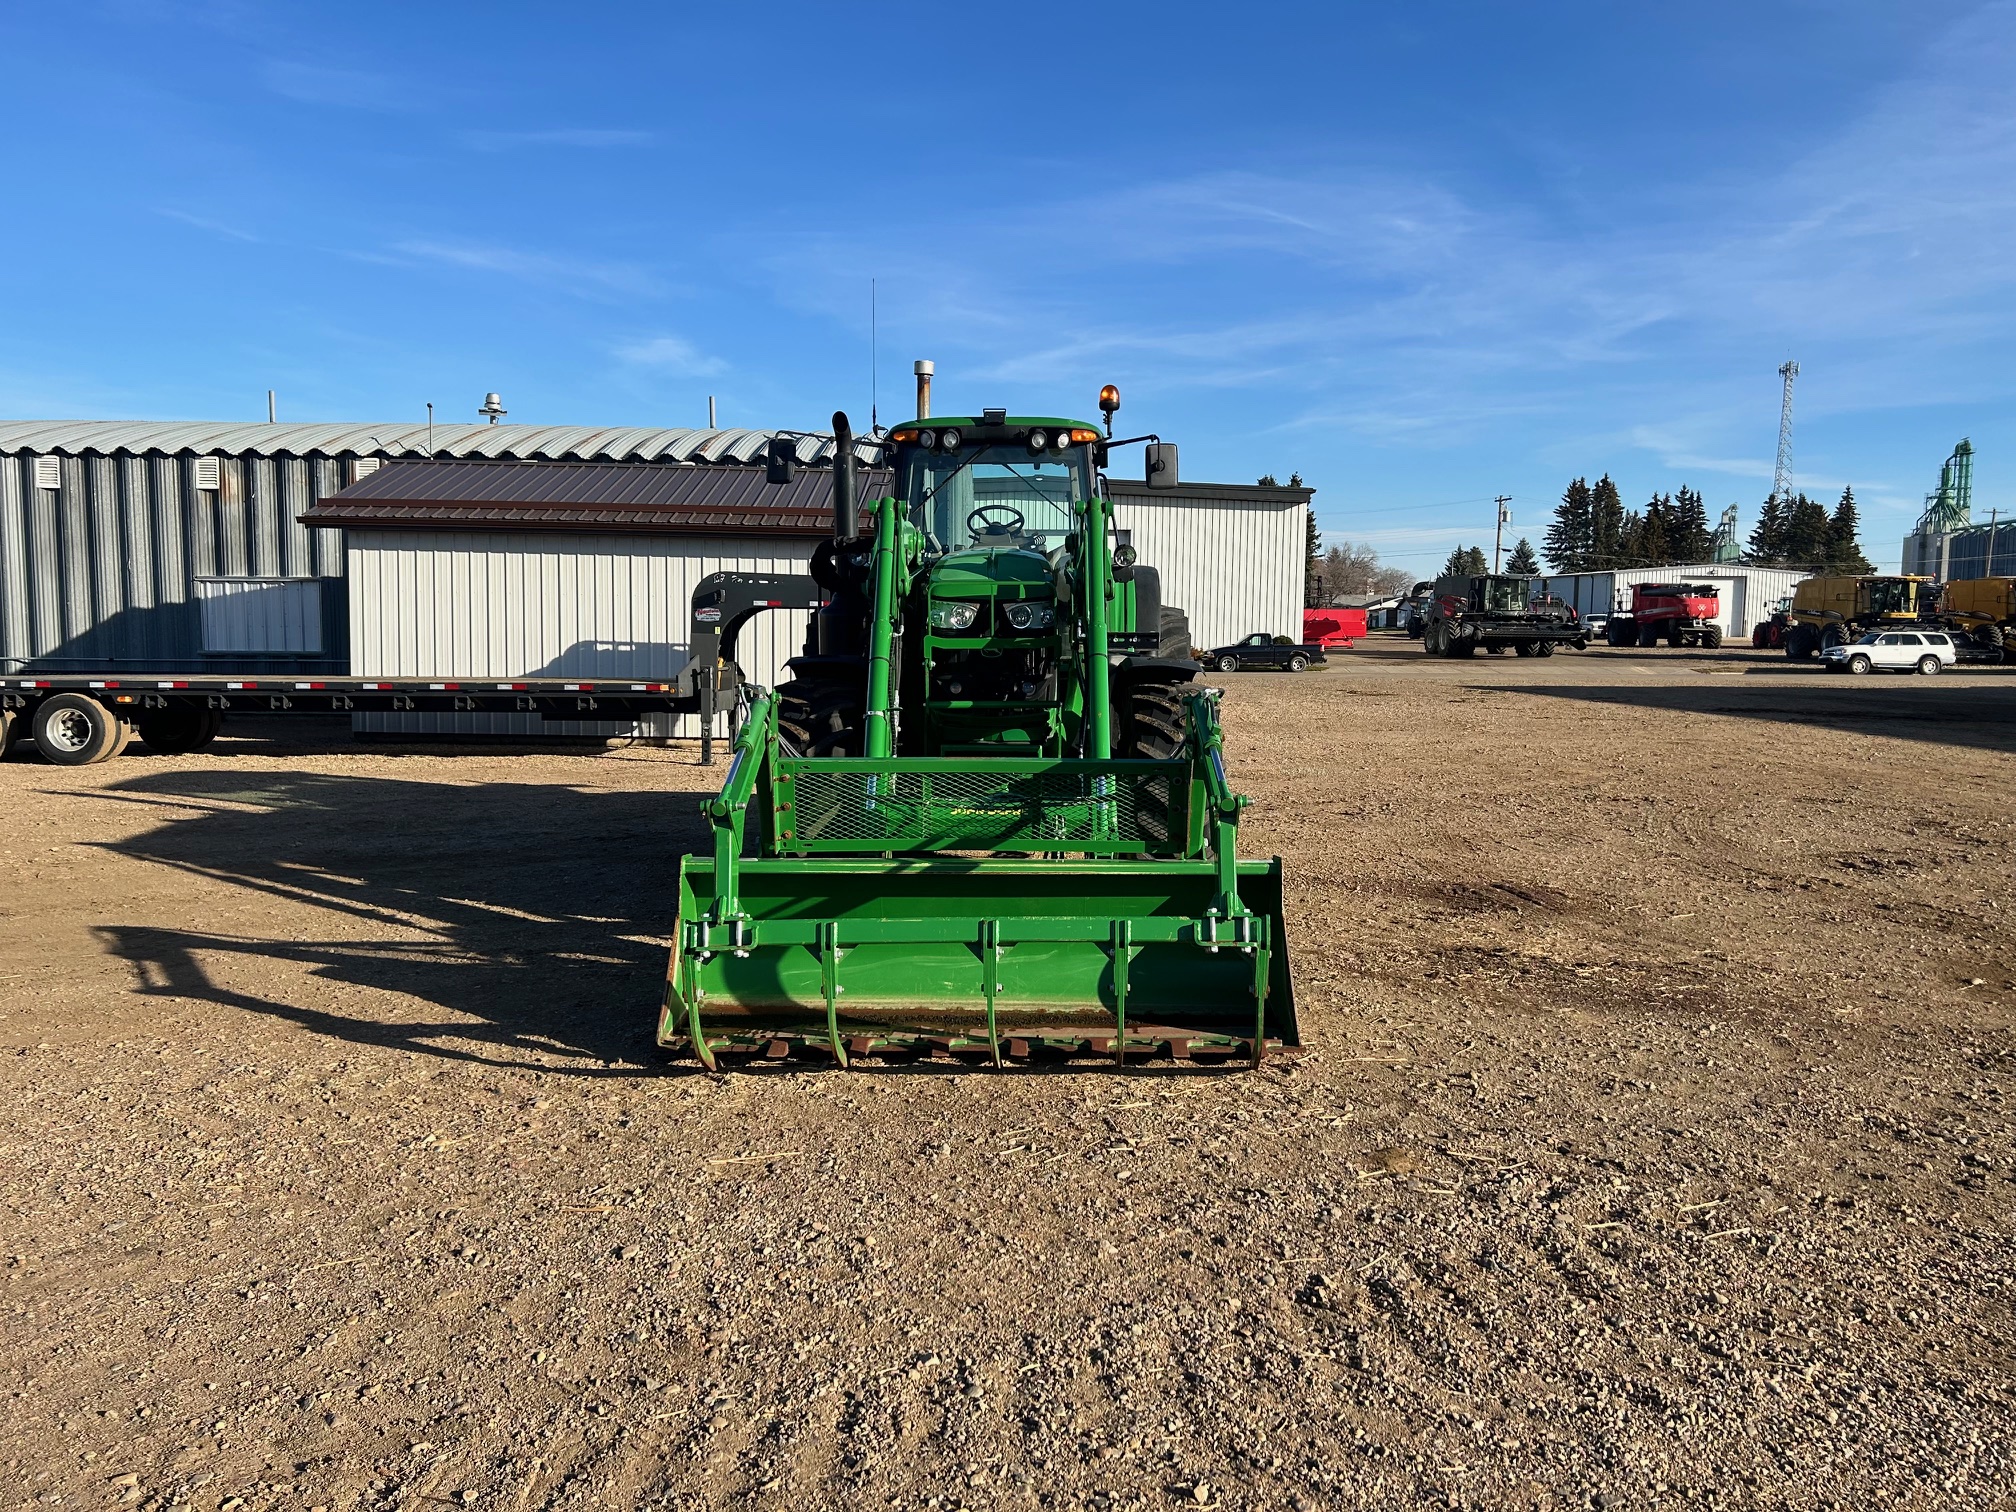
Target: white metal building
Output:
[(1748, 594), (1231, 555)]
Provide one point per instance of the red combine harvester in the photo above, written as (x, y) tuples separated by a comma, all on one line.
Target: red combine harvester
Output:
[(1333, 629), (1680, 614)]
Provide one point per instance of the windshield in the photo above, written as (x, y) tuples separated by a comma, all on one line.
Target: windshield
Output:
[(1507, 595), (1892, 598), (1000, 496)]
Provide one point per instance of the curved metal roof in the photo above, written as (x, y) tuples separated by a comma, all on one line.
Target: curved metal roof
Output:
[(556, 443)]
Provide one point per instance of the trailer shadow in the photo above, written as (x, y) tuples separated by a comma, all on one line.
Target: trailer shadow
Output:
[(535, 915), (1978, 713)]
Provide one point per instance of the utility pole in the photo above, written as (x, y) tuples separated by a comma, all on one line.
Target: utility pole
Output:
[(1988, 567), (1781, 478), (1498, 541)]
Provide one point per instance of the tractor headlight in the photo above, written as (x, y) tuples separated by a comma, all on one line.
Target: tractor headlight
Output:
[(1038, 440), (1125, 555), (927, 439), (953, 615), (948, 440), (1031, 615), (1062, 440)]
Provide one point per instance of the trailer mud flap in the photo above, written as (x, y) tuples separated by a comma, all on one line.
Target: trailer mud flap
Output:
[(999, 956)]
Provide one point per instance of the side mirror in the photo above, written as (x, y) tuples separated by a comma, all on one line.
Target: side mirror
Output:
[(1161, 464), (780, 460)]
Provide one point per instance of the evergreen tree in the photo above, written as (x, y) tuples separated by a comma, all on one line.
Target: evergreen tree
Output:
[(1767, 541), (1844, 550), (1648, 544), (1466, 561), (1689, 536), (1809, 536), (1312, 565), (1568, 543), (1606, 526), (1522, 562)]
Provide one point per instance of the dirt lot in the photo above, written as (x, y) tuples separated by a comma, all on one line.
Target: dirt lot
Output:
[(1653, 1145)]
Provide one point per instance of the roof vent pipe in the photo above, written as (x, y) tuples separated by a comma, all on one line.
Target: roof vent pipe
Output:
[(845, 524), (493, 406), (923, 368)]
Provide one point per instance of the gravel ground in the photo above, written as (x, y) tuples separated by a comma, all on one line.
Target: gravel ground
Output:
[(1653, 1145)]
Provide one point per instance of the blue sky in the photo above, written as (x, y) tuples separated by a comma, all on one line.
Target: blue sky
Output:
[(1423, 254)]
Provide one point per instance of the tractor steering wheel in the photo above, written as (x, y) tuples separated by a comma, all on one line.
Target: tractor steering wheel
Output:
[(979, 519)]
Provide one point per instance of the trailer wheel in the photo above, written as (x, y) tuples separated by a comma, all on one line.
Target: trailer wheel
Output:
[(72, 730), (177, 732), (6, 730)]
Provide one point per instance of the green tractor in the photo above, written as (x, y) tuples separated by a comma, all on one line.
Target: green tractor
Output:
[(988, 815)]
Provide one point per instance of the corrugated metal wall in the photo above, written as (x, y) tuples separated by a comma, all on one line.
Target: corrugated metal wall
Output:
[(1987, 550), (518, 604), (100, 571), (1234, 567)]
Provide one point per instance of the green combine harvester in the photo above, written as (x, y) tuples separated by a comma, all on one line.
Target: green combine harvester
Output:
[(988, 815)]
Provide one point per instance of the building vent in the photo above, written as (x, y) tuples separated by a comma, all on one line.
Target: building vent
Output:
[(48, 472), (209, 473), (363, 467)]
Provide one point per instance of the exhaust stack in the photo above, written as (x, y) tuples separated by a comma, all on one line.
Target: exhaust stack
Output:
[(846, 524), (924, 368)]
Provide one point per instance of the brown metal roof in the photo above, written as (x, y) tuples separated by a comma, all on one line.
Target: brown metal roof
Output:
[(646, 497)]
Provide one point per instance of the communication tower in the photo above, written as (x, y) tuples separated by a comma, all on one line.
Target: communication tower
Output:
[(1781, 480)]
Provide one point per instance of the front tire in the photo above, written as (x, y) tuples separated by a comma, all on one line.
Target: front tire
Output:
[(1228, 664), (1648, 637), (72, 730), (1711, 638), (1152, 722), (1800, 643), (821, 717), (1859, 664), (1928, 666)]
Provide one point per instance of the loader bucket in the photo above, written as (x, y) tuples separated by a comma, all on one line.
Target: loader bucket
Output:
[(998, 955), (987, 904)]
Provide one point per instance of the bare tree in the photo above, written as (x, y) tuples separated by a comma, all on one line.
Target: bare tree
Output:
[(1348, 570)]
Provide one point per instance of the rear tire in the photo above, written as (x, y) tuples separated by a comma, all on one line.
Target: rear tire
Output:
[(1648, 637), (72, 730), (1173, 635), (1928, 666), (820, 717), (1760, 638), (1859, 664), (1801, 641), (1297, 663), (177, 732), (1711, 638)]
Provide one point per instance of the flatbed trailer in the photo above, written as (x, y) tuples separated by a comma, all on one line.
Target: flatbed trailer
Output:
[(77, 720)]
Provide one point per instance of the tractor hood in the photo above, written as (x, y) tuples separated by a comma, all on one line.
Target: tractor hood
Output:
[(992, 572)]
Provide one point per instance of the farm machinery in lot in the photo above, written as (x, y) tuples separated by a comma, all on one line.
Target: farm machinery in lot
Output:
[(1497, 614), (1977, 613), (1680, 614), (986, 816)]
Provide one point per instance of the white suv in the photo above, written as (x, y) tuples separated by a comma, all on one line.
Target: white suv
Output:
[(1925, 651)]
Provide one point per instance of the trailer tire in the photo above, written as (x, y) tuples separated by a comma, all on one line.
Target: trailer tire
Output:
[(1543, 648), (1527, 648), (72, 730), (6, 730), (177, 732), (1990, 638)]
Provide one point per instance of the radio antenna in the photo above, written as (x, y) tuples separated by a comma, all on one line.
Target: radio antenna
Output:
[(874, 366)]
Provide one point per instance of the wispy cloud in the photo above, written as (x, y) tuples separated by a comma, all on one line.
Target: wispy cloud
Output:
[(202, 223), (315, 84), (564, 136), (671, 354), (575, 274)]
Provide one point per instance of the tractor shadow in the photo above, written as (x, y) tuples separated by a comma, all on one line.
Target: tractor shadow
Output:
[(534, 915), (1971, 710)]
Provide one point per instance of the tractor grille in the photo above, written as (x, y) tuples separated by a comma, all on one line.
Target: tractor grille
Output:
[(1103, 807)]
